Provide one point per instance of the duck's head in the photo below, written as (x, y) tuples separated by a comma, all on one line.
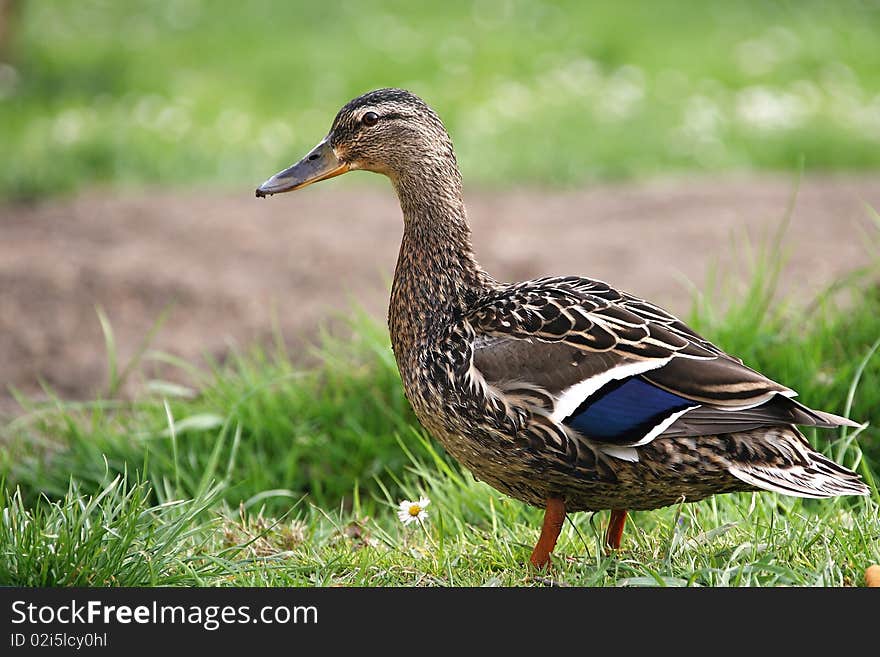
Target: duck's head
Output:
[(389, 131)]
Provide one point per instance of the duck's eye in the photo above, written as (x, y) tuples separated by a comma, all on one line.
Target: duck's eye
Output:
[(370, 119)]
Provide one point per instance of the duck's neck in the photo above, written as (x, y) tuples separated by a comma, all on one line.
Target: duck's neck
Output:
[(437, 276)]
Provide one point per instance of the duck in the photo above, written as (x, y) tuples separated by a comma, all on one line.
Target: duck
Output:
[(564, 393)]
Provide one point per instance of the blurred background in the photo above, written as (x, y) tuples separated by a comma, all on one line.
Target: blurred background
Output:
[(635, 142), (177, 92)]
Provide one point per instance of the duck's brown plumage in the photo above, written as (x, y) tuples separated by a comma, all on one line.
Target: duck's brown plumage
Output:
[(562, 392)]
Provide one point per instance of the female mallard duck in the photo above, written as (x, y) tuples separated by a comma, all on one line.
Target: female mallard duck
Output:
[(564, 393)]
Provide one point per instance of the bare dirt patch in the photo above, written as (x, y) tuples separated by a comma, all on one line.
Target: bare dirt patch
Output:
[(228, 261)]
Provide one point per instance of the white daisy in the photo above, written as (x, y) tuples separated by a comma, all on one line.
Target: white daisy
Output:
[(410, 511)]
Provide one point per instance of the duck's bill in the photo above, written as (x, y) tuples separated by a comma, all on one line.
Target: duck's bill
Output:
[(321, 163)]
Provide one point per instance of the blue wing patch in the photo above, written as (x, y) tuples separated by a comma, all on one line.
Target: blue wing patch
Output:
[(625, 411)]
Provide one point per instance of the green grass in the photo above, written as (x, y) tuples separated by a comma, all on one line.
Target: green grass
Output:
[(472, 537), (256, 421), (259, 473), (183, 92), (113, 538)]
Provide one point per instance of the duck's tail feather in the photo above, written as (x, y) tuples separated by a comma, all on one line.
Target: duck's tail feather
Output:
[(809, 474), (824, 419)]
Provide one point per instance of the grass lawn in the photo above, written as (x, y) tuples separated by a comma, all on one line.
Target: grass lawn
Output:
[(262, 474), (182, 92)]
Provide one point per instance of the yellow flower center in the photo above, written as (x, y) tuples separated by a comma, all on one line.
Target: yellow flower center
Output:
[(415, 509)]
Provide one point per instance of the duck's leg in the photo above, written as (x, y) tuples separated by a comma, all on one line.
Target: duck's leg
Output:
[(554, 516), (615, 529)]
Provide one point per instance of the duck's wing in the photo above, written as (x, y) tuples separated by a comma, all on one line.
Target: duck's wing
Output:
[(620, 370)]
